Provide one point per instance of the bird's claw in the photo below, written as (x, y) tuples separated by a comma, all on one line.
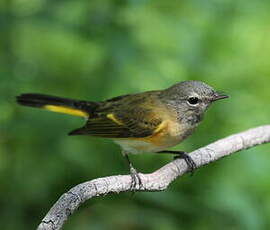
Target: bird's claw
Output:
[(191, 164), (135, 179)]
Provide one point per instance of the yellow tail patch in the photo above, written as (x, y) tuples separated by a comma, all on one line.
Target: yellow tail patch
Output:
[(66, 110)]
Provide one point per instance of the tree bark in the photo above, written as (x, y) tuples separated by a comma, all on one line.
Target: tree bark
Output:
[(156, 181)]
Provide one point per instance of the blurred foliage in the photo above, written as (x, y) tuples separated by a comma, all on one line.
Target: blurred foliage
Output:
[(102, 48)]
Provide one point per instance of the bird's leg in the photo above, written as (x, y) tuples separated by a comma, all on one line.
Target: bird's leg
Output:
[(181, 154), (135, 178)]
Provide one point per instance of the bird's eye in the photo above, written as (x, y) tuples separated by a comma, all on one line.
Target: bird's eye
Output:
[(193, 100)]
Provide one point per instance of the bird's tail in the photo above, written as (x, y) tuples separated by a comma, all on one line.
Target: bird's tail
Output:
[(58, 104)]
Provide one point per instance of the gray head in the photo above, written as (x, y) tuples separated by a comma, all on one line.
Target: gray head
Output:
[(191, 99)]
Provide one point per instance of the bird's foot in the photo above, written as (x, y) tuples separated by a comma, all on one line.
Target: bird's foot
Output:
[(190, 163), (135, 179), (183, 155)]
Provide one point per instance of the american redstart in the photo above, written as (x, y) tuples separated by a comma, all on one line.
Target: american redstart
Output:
[(144, 122)]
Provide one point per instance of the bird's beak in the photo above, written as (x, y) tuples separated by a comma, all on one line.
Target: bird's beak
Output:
[(219, 96)]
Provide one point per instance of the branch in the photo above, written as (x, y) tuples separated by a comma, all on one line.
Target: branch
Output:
[(156, 181)]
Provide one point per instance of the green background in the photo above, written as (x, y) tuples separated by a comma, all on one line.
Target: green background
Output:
[(98, 49)]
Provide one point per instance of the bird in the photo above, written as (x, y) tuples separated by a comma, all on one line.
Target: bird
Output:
[(150, 121)]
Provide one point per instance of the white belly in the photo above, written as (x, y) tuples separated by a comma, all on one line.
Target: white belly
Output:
[(162, 141), (135, 147)]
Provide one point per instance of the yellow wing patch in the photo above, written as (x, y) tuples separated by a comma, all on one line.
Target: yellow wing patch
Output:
[(66, 110), (113, 118)]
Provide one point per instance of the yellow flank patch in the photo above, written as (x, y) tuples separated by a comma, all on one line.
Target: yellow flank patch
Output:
[(160, 127), (63, 109), (112, 117)]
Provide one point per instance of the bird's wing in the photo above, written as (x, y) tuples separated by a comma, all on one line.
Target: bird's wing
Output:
[(123, 117)]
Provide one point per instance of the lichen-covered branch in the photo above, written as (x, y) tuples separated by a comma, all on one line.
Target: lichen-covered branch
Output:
[(156, 181)]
